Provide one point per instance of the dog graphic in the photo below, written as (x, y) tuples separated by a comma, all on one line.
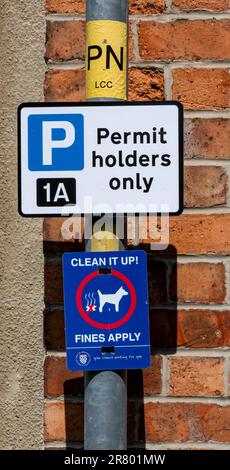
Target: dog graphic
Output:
[(113, 299)]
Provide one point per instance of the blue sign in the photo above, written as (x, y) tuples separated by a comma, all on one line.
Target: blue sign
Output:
[(106, 310), (56, 142)]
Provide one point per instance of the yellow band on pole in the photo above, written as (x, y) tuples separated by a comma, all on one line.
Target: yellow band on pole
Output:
[(104, 241), (106, 64)]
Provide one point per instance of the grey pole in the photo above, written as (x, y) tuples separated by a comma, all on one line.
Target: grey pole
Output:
[(106, 391)]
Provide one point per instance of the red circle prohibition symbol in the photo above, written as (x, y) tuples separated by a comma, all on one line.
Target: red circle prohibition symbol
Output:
[(105, 326)]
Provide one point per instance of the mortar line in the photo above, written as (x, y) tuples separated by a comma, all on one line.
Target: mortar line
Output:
[(65, 16), (180, 352), (207, 114), (134, 29), (52, 307), (201, 161), (183, 15), (187, 445), (158, 18), (183, 259), (191, 306), (140, 63), (227, 169), (168, 82), (169, 6), (206, 400), (168, 269), (204, 353), (167, 445), (64, 399), (226, 377), (53, 353), (165, 376), (204, 63), (75, 64), (62, 445), (182, 306), (217, 210), (223, 401), (176, 63), (227, 280)]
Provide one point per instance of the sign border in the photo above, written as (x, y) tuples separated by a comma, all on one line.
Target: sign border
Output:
[(106, 104)]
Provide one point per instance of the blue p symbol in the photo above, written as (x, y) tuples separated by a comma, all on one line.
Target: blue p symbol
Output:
[(56, 142)]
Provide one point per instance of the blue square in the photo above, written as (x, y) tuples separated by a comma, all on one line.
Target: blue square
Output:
[(56, 142)]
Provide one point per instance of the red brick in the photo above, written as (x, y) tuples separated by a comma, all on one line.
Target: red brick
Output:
[(157, 282), (65, 40), (196, 376), (53, 282), (64, 421), (64, 85), (228, 380), (200, 234), (166, 422), (132, 417), (198, 282), (51, 248), (170, 329), (69, 85), (59, 380), (65, 6), (214, 421), (207, 138), (146, 84), (205, 186), (210, 5), (202, 88), (203, 328), (186, 328), (66, 228), (185, 39), (191, 234), (170, 422), (152, 378), (163, 329), (145, 7), (54, 327), (131, 43), (148, 381)]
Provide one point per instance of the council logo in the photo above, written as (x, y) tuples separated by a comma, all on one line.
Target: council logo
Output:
[(83, 359)]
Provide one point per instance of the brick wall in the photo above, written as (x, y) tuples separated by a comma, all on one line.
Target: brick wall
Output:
[(178, 49)]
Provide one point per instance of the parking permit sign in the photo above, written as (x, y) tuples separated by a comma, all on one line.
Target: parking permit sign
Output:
[(106, 310), (100, 158)]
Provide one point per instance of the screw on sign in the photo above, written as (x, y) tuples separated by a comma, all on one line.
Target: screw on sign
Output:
[(106, 310)]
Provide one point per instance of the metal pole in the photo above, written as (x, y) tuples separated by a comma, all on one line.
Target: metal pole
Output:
[(106, 391)]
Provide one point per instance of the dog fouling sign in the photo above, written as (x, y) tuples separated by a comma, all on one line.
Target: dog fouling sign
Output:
[(106, 310)]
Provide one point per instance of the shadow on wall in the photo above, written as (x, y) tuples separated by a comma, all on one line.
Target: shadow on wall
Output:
[(162, 272)]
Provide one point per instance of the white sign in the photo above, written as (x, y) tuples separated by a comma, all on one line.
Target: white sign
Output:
[(100, 158)]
